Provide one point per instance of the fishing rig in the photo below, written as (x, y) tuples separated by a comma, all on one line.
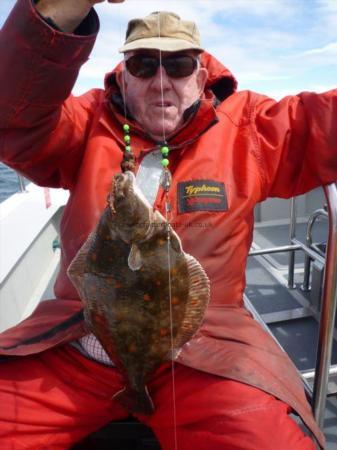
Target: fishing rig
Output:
[(165, 181)]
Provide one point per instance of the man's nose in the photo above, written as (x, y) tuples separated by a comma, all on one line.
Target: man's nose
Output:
[(161, 80)]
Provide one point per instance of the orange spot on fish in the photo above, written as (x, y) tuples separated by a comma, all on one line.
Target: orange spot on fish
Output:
[(174, 271), (117, 285), (146, 298), (158, 283), (175, 300), (93, 257), (194, 301), (98, 319), (132, 348), (163, 332), (161, 242)]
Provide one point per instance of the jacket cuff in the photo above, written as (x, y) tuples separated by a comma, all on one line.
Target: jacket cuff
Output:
[(26, 26), (88, 25)]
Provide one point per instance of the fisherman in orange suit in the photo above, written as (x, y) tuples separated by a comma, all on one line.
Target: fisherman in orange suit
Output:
[(227, 151)]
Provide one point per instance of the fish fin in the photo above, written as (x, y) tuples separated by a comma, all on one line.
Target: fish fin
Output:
[(77, 267), (197, 301), (135, 260), (135, 401), (101, 328), (176, 242)]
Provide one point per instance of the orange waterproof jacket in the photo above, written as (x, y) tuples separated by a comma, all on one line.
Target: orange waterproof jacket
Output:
[(236, 149)]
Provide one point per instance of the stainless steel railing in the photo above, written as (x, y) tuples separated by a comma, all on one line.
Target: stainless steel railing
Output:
[(329, 292), (22, 186), (319, 213), (292, 234), (328, 310)]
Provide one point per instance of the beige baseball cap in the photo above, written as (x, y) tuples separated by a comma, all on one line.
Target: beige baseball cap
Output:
[(161, 30)]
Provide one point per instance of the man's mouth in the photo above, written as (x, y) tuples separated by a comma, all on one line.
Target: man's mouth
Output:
[(163, 104)]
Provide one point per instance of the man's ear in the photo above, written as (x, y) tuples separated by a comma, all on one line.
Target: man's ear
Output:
[(202, 76)]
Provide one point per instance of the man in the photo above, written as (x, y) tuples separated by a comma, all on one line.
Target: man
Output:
[(234, 388)]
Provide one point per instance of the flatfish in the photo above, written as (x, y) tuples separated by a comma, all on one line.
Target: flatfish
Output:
[(133, 276)]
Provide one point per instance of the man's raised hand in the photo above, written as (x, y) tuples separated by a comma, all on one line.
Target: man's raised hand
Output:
[(68, 14)]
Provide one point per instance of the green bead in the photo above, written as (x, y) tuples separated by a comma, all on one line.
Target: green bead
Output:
[(165, 151), (128, 148), (127, 138), (126, 127), (165, 162)]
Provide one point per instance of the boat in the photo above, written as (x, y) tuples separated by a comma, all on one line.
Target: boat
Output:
[(291, 289)]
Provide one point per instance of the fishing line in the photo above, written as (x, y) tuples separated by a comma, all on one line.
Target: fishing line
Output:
[(167, 217), (167, 182), (167, 210), (161, 82), (123, 66), (123, 87)]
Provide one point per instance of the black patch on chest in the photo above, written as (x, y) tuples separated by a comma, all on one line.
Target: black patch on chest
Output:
[(201, 195)]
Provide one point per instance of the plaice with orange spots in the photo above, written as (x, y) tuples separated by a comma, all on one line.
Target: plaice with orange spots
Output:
[(143, 300)]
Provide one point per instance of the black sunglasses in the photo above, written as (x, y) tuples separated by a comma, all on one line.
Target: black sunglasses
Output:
[(145, 66)]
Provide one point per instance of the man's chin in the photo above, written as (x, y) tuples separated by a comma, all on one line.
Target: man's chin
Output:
[(161, 134)]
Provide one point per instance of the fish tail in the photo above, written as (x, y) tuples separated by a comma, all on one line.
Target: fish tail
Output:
[(135, 401)]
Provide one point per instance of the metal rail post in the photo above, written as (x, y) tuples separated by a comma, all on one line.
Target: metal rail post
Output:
[(22, 186), (328, 311), (292, 233), (308, 239)]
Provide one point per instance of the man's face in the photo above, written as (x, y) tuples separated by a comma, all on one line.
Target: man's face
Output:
[(158, 103)]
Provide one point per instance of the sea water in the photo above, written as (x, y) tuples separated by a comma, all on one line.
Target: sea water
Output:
[(9, 182)]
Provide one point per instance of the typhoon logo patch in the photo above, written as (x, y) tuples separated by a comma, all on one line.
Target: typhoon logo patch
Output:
[(201, 195)]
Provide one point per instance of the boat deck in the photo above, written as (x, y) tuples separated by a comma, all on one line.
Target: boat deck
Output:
[(268, 293), (291, 317)]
